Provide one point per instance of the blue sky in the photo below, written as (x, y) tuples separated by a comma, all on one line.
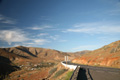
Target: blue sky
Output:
[(65, 25)]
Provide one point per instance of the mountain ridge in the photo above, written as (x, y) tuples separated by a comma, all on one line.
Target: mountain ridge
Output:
[(29, 58), (34, 52), (107, 56)]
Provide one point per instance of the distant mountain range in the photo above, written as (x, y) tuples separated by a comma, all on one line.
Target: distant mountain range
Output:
[(12, 58), (108, 55), (21, 52)]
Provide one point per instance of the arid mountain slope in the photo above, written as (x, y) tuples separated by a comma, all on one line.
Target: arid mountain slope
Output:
[(10, 56), (31, 61), (31, 52), (108, 56), (23, 54)]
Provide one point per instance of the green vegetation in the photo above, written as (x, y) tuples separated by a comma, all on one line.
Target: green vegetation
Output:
[(60, 72), (52, 70), (69, 74)]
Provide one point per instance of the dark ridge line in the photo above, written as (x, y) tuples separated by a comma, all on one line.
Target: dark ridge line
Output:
[(26, 52)]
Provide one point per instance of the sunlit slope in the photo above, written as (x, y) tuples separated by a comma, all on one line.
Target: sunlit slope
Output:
[(108, 55), (32, 52)]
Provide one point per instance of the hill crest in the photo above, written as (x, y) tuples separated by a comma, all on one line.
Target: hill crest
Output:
[(108, 55)]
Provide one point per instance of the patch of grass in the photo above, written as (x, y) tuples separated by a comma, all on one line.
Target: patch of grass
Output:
[(68, 75), (60, 72), (52, 70)]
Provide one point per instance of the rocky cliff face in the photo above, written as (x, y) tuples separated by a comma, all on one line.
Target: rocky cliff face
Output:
[(108, 55)]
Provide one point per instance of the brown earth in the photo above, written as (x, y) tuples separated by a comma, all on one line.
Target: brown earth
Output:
[(107, 56), (30, 63), (30, 52)]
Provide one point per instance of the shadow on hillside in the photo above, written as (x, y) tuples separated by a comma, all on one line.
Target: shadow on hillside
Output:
[(84, 74), (12, 54), (27, 52), (23, 56), (6, 67)]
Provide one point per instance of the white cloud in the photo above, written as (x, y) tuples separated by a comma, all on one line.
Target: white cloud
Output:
[(33, 42), (29, 43), (13, 36), (86, 24), (94, 28), (55, 37), (7, 20), (42, 34), (84, 30), (40, 27), (40, 41)]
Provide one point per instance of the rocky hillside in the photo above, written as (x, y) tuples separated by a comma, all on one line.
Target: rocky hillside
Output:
[(21, 54), (108, 55), (19, 62), (11, 56), (31, 52)]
